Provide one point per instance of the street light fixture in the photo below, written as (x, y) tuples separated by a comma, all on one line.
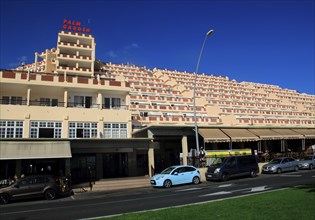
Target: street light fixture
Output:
[(196, 72)]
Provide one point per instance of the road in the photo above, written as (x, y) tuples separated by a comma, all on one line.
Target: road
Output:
[(94, 204)]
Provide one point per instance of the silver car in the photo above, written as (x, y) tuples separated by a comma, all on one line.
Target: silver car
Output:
[(279, 165), (307, 162)]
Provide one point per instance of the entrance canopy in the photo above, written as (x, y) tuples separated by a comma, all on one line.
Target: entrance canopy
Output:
[(288, 133), (12, 150), (266, 134), (307, 133), (240, 135), (213, 135)]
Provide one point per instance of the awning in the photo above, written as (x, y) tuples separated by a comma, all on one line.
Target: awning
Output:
[(239, 135), (266, 134), (307, 132), (287, 133), (12, 150), (213, 135)]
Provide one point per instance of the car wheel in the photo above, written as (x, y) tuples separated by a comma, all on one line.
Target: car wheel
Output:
[(196, 180), (279, 170), (296, 168), (4, 198), (311, 166), (167, 183), (50, 194), (253, 173), (225, 176)]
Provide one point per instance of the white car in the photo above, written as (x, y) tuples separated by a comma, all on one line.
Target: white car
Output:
[(176, 175)]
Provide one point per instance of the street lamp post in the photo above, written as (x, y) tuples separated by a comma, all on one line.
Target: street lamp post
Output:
[(195, 82)]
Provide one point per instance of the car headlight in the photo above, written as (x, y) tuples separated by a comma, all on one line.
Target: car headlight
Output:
[(160, 177), (217, 170)]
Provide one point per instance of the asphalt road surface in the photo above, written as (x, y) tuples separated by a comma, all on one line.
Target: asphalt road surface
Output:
[(95, 204)]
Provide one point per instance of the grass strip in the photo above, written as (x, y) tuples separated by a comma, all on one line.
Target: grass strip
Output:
[(293, 203)]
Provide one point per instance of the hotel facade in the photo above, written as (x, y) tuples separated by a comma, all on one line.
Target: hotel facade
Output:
[(68, 112)]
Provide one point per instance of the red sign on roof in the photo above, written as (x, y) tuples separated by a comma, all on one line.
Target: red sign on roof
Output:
[(72, 25)]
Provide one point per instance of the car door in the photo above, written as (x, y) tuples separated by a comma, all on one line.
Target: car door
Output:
[(188, 173), (178, 176), (231, 167), (285, 164), (292, 164), (22, 188), (38, 185)]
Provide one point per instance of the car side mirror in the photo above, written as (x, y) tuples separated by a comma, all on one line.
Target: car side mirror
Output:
[(175, 173)]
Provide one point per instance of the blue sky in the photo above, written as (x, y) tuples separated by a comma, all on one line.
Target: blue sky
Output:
[(265, 41)]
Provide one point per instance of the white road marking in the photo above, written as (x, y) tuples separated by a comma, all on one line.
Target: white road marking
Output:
[(217, 193), (291, 175), (189, 189), (225, 185), (259, 189)]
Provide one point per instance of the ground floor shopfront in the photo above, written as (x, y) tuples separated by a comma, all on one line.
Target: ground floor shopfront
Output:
[(149, 152)]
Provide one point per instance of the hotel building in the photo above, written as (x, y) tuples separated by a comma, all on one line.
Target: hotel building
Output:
[(68, 112)]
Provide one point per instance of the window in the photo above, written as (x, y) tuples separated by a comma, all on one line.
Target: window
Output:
[(44, 101), (16, 100), (45, 129), (11, 129), (111, 103), (82, 130), (115, 130), (107, 103), (83, 101), (78, 101), (116, 102), (5, 100)]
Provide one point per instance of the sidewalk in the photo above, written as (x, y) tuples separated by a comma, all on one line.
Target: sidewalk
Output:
[(113, 184)]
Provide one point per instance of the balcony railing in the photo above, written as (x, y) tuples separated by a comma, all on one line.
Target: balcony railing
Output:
[(13, 102), (61, 104)]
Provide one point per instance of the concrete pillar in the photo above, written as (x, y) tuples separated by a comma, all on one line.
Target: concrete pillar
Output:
[(184, 149), (100, 100), (65, 98), (28, 97), (303, 144), (151, 159)]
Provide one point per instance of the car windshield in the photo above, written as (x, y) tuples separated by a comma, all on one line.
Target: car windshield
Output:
[(218, 161), (168, 170), (275, 161), (307, 157)]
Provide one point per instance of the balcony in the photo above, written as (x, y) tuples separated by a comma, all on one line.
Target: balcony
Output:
[(61, 104), (74, 57), (80, 46)]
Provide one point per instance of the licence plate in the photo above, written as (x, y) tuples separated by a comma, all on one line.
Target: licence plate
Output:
[(209, 175)]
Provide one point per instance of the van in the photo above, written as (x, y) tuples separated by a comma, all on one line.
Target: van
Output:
[(224, 168)]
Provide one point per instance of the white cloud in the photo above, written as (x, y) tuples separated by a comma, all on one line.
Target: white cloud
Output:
[(132, 46), (112, 54)]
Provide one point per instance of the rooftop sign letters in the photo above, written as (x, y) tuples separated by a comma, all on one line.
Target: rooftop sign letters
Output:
[(72, 25)]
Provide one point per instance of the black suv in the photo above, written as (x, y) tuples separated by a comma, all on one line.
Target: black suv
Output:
[(46, 186)]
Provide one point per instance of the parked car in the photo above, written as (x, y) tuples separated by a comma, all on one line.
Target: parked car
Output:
[(279, 165), (233, 166), (45, 186), (176, 175), (307, 162)]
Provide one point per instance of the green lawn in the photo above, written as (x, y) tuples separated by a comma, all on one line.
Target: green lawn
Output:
[(295, 203)]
